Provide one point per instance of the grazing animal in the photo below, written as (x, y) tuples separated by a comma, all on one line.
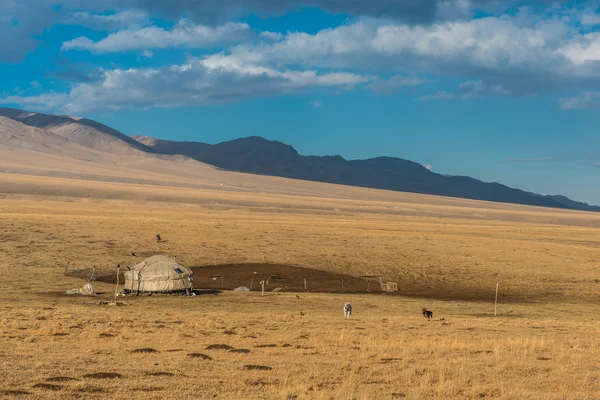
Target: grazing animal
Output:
[(298, 297), (158, 239), (427, 314), (133, 254), (347, 310)]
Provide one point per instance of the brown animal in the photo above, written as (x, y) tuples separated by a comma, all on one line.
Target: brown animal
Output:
[(427, 314), (158, 239)]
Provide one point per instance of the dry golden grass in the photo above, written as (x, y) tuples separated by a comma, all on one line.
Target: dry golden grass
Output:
[(544, 345)]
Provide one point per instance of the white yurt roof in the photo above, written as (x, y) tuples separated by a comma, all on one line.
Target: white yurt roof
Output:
[(158, 274)]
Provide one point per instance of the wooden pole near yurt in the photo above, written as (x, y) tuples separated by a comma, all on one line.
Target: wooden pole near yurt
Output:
[(262, 284), (496, 302), (117, 286)]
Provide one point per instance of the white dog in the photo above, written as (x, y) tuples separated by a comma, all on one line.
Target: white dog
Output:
[(347, 310)]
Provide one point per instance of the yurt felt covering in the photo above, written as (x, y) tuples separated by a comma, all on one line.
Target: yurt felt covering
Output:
[(158, 274)]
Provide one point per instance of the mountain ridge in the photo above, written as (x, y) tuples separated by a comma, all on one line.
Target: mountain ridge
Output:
[(85, 139), (82, 131), (258, 155)]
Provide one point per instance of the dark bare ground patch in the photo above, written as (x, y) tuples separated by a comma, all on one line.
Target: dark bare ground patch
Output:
[(199, 355), (48, 386), (13, 392), (219, 347), (230, 332), (61, 379), (145, 350), (243, 351), (266, 345), (103, 375), (106, 335), (252, 367), (61, 334), (260, 382), (291, 278), (543, 359), (174, 350), (148, 388), (482, 351), (387, 360), (287, 345), (159, 373)]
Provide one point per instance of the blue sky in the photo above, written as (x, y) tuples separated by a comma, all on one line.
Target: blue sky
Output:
[(502, 90)]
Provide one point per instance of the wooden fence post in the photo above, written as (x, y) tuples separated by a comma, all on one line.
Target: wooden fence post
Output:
[(117, 286), (496, 302)]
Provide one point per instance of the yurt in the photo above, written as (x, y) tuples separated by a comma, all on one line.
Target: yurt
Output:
[(158, 274)]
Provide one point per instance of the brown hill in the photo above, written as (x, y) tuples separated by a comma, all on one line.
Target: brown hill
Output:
[(82, 131)]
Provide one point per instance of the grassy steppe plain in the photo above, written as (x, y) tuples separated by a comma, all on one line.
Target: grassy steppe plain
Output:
[(445, 254)]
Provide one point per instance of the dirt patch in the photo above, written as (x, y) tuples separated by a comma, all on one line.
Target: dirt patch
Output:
[(219, 347), (104, 375), (148, 388), (266, 345), (199, 355), (257, 367), (242, 351), (13, 393), (145, 350), (61, 379), (289, 278), (47, 386)]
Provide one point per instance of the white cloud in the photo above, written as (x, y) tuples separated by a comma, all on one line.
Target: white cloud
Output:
[(111, 21), (184, 34), (470, 90), (428, 166), (207, 80), (317, 104), (274, 36), (585, 101), (147, 54), (590, 19), (409, 11), (508, 55), (516, 55), (395, 83)]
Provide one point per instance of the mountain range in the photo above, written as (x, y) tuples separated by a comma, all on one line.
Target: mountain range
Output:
[(82, 138), (260, 156)]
